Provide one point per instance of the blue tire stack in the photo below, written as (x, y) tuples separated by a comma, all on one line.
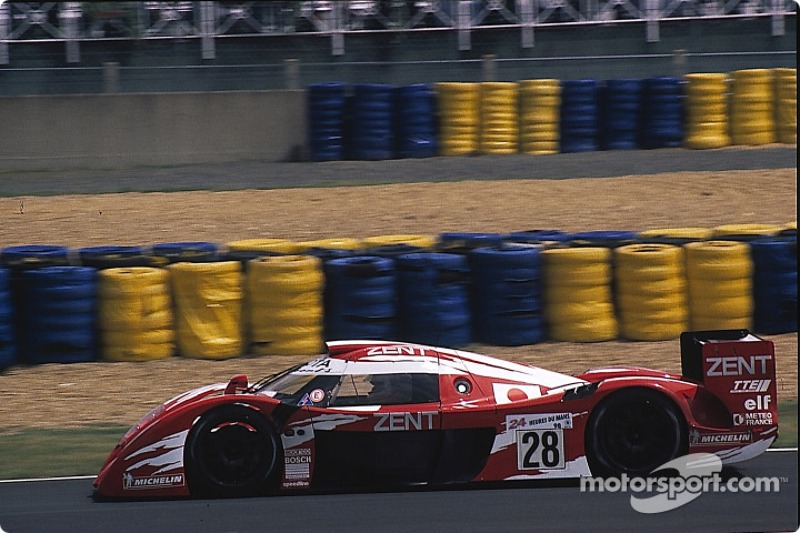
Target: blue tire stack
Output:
[(662, 113), (604, 238), (462, 242), (18, 260), (326, 109), (508, 298), (361, 298), (774, 285), (415, 121), (60, 314), (621, 111), (579, 116), (8, 346), (370, 133), (433, 299)]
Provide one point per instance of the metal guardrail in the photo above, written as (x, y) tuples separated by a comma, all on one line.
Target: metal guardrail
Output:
[(76, 22)]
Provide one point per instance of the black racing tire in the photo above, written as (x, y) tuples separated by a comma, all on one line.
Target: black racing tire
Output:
[(232, 451), (634, 431)]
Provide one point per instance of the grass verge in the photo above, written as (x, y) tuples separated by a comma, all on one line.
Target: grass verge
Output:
[(32, 453)]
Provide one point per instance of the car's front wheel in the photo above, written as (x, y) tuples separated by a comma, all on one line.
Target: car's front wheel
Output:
[(231, 451), (634, 431)]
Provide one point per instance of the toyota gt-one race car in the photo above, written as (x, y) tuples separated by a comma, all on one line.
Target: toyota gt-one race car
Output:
[(383, 413)]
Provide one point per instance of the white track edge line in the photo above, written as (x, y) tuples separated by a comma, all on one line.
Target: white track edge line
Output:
[(77, 478)]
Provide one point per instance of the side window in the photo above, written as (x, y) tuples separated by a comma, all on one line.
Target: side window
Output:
[(353, 390), (387, 389)]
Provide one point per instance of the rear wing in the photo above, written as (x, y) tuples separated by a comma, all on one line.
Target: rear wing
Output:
[(738, 368)]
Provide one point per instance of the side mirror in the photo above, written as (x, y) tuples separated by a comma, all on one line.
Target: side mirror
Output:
[(236, 384)]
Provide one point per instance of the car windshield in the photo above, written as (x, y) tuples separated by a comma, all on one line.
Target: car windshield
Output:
[(298, 388)]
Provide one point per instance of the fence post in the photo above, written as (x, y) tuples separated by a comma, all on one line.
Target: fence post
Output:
[(489, 67), (679, 62), (111, 77), (292, 71)]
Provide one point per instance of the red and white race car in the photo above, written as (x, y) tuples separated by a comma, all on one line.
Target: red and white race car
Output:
[(375, 413)]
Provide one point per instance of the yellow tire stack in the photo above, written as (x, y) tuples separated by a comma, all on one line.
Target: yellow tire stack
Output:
[(752, 109), (651, 291), (499, 131), (345, 243), (459, 117), (427, 242), (285, 297), (135, 317), (785, 83), (746, 231), (208, 309), (707, 111), (539, 103), (281, 246), (719, 274), (577, 294)]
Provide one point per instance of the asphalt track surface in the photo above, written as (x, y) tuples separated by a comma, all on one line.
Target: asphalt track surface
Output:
[(274, 175), (66, 505)]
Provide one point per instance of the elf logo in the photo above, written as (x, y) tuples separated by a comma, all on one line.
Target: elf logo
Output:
[(759, 403)]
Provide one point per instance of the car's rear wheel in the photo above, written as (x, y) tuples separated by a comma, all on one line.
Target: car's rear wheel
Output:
[(634, 431), (231, 451)]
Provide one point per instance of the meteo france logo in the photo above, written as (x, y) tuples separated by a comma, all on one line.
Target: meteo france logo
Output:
[(683, 480)]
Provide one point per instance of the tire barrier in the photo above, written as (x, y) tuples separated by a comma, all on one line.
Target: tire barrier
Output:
[(326, 107), (285, 305), (745, 232), (459, 117), (420, 241), (433, 298), (539, 126), (719, 275), (774, 285), (785, 83), (166, 253), (280, 246), (370, 134), (344, 243), (676, 236), (751, 107), (391, 250), (707, 111), (19, 259), (507, 293), (208, 309), (580, 119), (620, 111), (536, 236), (577, 294), (60, 314), (8, 345), (415, 123), (361, 298), (603, 238), (498, 115), (662, 112), (465, 242), (135, 316), (102, 257), (651, 291)]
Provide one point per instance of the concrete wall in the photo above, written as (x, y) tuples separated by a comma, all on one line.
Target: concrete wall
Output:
[(150, 129)]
